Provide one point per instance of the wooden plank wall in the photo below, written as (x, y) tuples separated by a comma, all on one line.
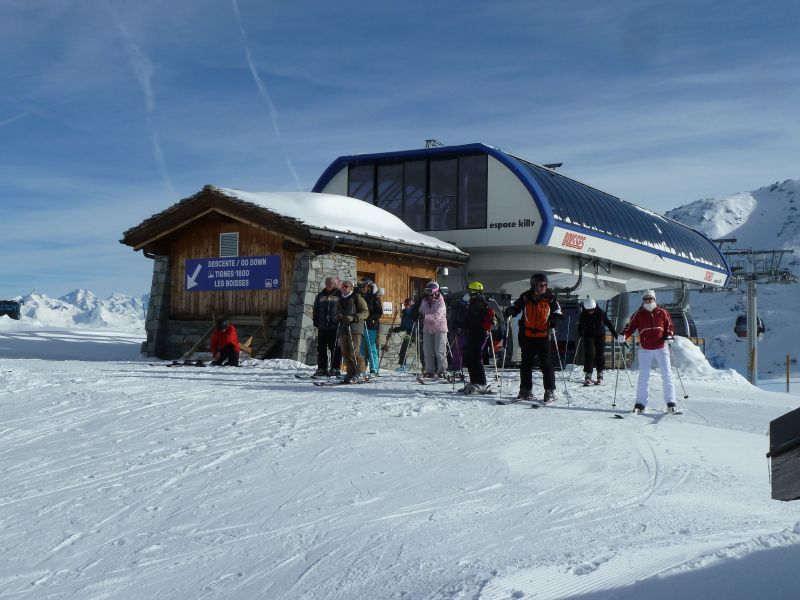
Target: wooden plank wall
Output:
[(201, 240), (394, 277)]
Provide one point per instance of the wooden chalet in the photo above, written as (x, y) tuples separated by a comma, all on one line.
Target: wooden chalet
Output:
[(260, 259)]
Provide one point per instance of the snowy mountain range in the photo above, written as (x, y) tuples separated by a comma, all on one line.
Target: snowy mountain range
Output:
[(81, 308)]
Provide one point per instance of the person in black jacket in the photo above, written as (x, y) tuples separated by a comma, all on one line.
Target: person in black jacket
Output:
[(592, 331), (478, 323), (541, 312), (370, 292), (324, 317)]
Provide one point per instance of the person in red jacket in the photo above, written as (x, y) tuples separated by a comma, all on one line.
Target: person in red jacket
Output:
[(655, 335), (225, 344)]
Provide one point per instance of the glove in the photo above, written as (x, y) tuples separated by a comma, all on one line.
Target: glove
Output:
[(668, 339), (553, 321), (509, 312), (621, 338)]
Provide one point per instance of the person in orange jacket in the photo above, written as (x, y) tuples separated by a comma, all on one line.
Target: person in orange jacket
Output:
[(225, 344)]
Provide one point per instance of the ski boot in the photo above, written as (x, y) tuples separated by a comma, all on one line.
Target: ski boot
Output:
[(549, 396), (638, 408)]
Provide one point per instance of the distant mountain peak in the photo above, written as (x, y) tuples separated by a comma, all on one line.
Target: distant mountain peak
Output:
[(81, 308), (766, 218)]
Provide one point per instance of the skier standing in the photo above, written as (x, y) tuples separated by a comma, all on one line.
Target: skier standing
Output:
[(592, 330), (656, 333), (541, 312), (477, 326), (370, 293), (324, 318), (434, 333), (406, 328), (351, 314)]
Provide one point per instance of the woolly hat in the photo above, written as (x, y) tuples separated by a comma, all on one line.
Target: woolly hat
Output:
[(648, 293), (589, 304)]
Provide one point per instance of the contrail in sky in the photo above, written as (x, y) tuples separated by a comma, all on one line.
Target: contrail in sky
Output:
[(15, 118), (262, 89), (143, 69)]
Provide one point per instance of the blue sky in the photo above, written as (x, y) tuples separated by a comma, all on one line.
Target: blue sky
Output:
[(111, 111)]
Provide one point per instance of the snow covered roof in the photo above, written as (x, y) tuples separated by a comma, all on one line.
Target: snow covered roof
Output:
[(322, 217), (339, 214)]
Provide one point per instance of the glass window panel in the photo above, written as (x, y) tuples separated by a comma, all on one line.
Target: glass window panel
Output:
[(390, 189), (472, 191), (360, 183), (443, 195), (414, 184)]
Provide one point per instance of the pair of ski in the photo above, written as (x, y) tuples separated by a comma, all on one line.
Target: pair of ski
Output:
[(178, 363), (342, 382), (669, 411), (533, 403)]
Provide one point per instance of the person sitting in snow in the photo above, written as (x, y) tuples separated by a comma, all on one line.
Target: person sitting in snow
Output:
[(592, 330), (225, 344), (655, 336)]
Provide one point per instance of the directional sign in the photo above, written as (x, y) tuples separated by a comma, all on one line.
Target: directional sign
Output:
[(233, 273)]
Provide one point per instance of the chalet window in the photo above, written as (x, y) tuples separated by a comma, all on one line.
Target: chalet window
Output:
[(434, 194), (229, 244), (416, 286), (443, 194), (390, 189), (415, 182), (361, 183), (472, 191)]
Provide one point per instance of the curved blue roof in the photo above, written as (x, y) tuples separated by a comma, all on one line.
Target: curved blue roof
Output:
[(573, 205)]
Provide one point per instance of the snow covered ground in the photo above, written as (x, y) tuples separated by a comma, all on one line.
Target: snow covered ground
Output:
[(119, 479)]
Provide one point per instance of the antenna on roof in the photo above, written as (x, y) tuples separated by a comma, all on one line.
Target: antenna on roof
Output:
[(432, 143), (553, 166)]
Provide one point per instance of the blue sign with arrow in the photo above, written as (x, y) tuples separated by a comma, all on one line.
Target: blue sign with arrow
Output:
[(233, 273)]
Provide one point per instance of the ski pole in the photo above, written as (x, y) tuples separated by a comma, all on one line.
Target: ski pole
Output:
[(616, 377), (494, 357), (385, 346), (505, 354), (678, 371), (625, 363), (575, 358), (560, 364)]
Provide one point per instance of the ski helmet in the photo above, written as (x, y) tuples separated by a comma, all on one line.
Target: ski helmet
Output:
[(538, 278), (589, 304), (475, 287), (432, 287), (222, 324)]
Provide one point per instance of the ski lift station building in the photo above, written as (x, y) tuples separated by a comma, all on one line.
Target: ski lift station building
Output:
[(514, 217)]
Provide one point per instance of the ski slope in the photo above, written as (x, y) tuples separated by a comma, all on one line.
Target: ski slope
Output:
[(119, 479)]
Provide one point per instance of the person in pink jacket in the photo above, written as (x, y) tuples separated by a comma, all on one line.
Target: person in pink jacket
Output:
[(433, 312), (655, 335)]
